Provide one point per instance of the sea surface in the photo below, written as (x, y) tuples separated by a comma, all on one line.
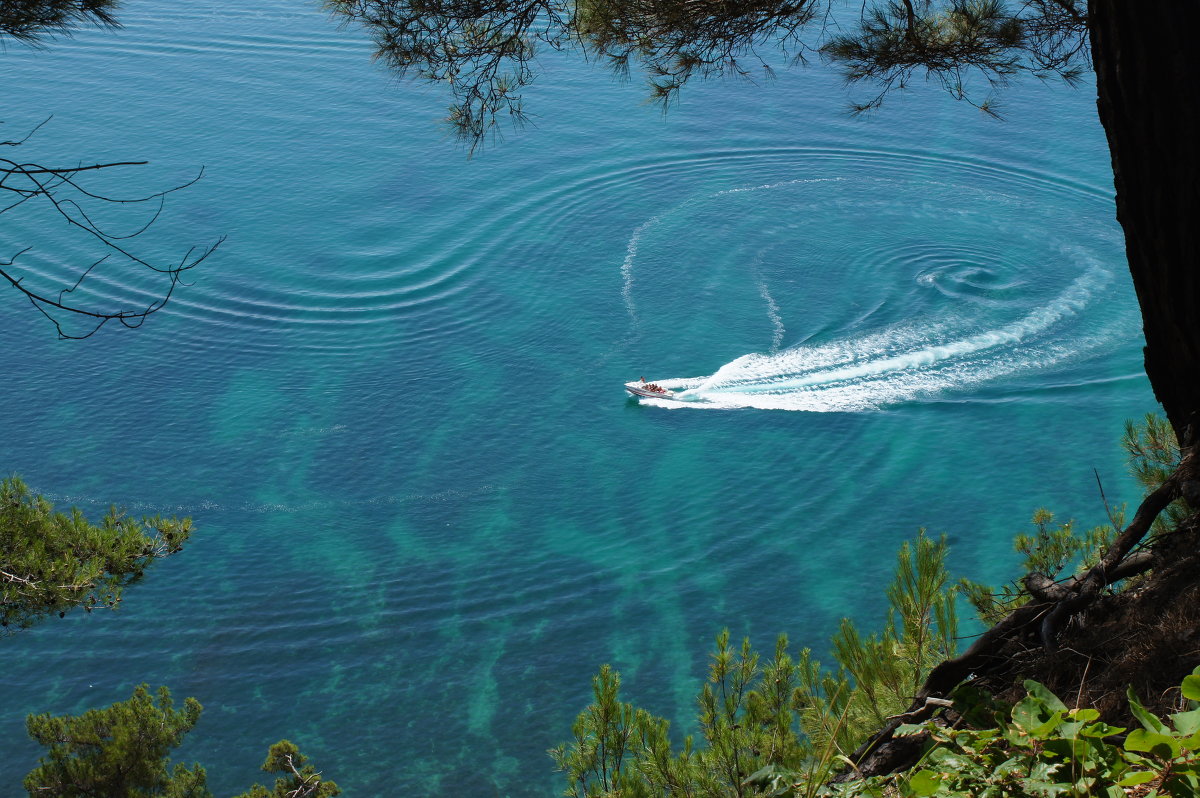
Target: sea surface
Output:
[(425, 511)]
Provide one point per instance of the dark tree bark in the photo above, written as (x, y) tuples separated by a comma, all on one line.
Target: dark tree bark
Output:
[(1147, 67)]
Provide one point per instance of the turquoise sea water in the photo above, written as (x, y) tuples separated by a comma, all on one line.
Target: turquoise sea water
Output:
[(426, 513)]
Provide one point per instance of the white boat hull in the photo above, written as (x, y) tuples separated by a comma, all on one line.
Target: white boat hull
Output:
[(639, 389)]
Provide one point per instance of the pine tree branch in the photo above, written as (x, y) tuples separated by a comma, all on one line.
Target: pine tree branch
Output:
[(1053, 604)]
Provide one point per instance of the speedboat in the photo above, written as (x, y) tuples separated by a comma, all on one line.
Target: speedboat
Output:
[(648, 389)]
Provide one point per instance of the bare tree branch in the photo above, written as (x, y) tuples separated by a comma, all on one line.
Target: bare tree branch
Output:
[(59, 189)]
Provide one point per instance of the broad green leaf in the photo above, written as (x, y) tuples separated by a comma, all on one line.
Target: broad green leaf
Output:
[(954, 762), (977, 706), (1070, 729), (1160, 745), (1028, 713), (1134, 758), (1070, 748), (1186, 722), (1144, 715), (1139, 777), (762, 775), (924, 783), (1015, 736), (1182, 783), (1046, 730), (1100, 729), (1040, 691), (1086, 715), (1189, 772), (1043, 771), (1191, 686), (1084, 785)]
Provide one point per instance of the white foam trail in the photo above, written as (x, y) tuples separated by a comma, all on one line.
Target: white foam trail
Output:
[(631, 250), (635, 238), (781, 183), (896, 365), (773, 315)]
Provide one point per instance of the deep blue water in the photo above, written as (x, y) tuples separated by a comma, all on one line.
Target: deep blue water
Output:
[(426, 513)]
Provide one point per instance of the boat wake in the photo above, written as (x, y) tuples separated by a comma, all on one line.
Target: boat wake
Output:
[(902, 364), (877, 279)]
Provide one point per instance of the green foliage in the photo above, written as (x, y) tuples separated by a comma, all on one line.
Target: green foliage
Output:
[(1042, 748), (745, 718), (300, 779), (118, 751), (603, 731), (775, 727), (1039, 747), (1050, 550), (122, 751), (888, 668), (896, 43), (1153, 455), (780, 728), (51, 562)]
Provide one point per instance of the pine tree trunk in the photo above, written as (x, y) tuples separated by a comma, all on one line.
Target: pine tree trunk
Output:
[(1148, 76)]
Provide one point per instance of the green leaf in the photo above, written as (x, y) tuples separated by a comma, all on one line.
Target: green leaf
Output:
[(1136, 778), (1029, 713), (1070, 729), (1016, 737), (1073, 749), (761, 776), (1134, 758), (924, 783), (1191, 687), (976, 706), (1186, 723), (1047, 729), (1039, 690), (1182, 782), (1160, 745), (1101, 729), (954, 762), (1043, 771), (1084, 786), (1146, 718)]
